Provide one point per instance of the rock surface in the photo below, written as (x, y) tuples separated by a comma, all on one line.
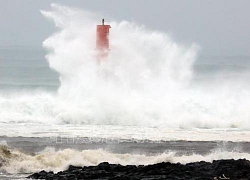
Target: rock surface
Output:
[(220, 169)]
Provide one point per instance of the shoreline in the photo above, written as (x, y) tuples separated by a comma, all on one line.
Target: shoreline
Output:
[(30, 154), (219, 169)]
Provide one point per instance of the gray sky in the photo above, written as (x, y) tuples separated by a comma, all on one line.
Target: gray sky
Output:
[(220, 27)]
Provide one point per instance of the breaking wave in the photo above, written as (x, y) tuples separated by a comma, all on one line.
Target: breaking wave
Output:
[(14, 161), (147, 81)]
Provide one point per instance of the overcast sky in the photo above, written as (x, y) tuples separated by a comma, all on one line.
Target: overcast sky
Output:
[(220, 27)]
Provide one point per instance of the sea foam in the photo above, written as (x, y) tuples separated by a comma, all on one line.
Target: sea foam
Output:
[(14, 161)]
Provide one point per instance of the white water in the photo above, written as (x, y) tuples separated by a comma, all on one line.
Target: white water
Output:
[(146, 82), (14, 161), (145, 72)]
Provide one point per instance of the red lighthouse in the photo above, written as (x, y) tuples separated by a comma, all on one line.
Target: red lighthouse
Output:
[(102, 41)]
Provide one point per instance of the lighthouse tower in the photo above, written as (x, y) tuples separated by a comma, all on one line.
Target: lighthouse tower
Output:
[(102, 42)]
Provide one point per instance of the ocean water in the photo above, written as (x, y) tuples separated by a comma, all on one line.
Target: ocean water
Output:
[(154, 100)]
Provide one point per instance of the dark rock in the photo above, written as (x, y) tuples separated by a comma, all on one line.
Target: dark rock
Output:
[(72, 168), (220, 169), (34, 176)]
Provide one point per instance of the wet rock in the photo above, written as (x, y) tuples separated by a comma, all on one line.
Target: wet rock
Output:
[(73, 168), (217, 170)]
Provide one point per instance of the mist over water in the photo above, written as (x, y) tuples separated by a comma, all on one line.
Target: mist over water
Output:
[(149, 80), (134, 87)]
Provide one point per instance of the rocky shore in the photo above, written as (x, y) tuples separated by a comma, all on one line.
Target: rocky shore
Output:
[(219, 169)]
